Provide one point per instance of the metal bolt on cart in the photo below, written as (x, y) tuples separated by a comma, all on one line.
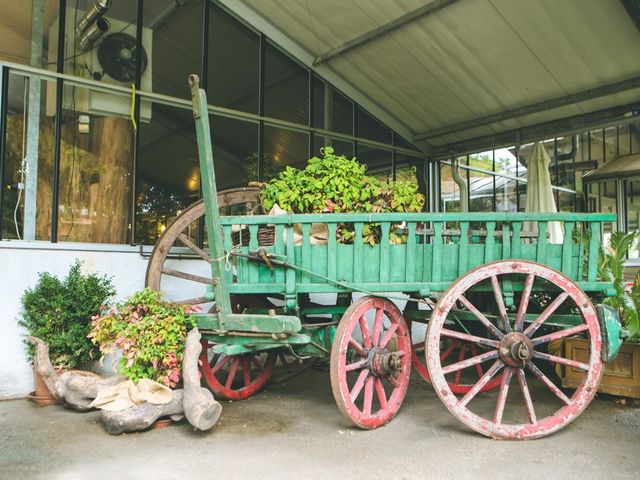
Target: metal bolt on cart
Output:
[(496, 297)]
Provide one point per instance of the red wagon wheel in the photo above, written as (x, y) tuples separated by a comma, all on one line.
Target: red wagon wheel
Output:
[(236, 377), (515, 351), (370, 362)]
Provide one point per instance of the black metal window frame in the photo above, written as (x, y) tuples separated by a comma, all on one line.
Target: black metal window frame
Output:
[(206, 15)]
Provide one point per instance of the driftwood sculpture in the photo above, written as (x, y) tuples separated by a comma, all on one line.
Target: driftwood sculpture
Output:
[(77, 389)]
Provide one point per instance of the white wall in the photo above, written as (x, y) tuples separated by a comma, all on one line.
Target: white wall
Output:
[(19, 269)]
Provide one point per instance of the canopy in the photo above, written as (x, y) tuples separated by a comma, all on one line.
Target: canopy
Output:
[(539, 194)]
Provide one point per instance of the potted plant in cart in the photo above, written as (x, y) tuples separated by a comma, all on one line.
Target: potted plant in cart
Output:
[(621, 376), (59, 313)]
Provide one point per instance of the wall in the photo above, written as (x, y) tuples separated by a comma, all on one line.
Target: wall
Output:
[(20, 267)]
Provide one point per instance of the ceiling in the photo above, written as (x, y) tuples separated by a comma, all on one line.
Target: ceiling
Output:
[(436, 64)]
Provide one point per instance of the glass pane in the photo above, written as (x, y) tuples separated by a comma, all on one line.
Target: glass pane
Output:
[(286, 87), (341, 147), (449, 190), (331, 110), (369, 127), (624, 144), (168, 175), (602, 199), (596, 144), (611, 143), (378, 161), (633, 212), (481, 185), (27, 38), (173, 59), (233, 62), (398, 141), (284, 147), (235, 152), (95, 171), (29, 147)]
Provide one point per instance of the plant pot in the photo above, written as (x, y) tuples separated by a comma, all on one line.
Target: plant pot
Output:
[(620, 377), (41, 395), (162, 422)]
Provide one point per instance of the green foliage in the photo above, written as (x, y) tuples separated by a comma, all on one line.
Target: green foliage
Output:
[(150, 333), (59, 312), (336, 184), (611, 269)]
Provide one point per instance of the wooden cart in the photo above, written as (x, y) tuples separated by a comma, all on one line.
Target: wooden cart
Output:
[(498, 301)]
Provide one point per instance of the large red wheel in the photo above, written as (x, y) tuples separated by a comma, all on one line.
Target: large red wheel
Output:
[(370, 362), (515, 349), (236, 377)]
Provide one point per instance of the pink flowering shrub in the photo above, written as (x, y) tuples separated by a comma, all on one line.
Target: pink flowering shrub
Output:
[(150, 333)]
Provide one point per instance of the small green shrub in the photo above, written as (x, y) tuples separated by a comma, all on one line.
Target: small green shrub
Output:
[(59, 312), (151, 334), (336, 184)]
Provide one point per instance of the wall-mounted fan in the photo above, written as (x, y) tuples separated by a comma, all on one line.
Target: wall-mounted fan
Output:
[(117, 56)]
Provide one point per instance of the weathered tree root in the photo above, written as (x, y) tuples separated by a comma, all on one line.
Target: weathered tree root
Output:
[(74, 389), (77, 389)]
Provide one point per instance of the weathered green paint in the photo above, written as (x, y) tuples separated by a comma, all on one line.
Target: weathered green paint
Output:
[(611, 332), (249, 322), (210, 195), (594, 242)]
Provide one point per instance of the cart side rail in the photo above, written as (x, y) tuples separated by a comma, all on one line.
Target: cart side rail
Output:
[(434, 249)]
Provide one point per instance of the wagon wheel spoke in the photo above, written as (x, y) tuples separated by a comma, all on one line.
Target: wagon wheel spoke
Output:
[(484, 320), (356, 365), (232, 372), (526, 395), (469, 362), (221, 363), (495, 368), (562, 361), (497, 293), (377, 327), (474, 352), (388, 335), (567, 332), (246, 372), (502, 394), (357, 387), (187, 276), (368, 395), (470, 338), (548, 383), (524, 303), (455, 344), (194, 248), (366, 336), (382, 396), (357, 347), (552, 307)]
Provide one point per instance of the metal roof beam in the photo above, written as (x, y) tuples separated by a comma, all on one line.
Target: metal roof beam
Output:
[(558, 102), (570, 125), (633, 9), (427, 9)]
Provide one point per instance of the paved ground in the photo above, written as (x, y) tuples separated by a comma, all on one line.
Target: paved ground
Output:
[(296, 431)]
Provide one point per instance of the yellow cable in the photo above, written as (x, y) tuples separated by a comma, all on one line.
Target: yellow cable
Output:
[(133, 106)]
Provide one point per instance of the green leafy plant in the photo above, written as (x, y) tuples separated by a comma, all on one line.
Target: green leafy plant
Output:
[(150, 333), (611, 269), (336, 184), (59, 312)]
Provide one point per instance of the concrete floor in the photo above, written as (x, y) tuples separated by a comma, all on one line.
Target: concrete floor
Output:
[(296, 431)]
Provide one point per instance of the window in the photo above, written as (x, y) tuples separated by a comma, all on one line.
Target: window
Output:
[(286, 87)]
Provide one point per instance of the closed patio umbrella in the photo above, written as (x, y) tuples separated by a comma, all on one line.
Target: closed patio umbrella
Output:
[(539, 194)]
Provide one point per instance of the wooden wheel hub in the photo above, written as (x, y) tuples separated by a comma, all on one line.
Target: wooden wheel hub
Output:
[(383, 363), (516, 349)]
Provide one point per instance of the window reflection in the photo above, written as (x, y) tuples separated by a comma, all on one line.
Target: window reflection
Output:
[(286, 88)]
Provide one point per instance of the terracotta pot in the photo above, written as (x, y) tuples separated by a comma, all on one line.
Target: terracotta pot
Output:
[(42, 396), (162, 422)]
